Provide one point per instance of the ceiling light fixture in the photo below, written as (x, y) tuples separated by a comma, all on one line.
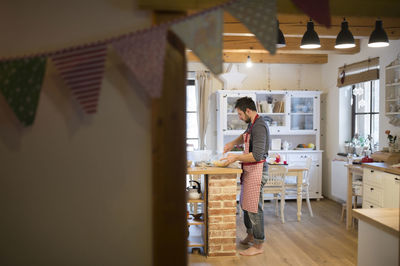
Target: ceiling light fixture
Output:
[(345, 38), (310, 38), (378, 37), (249, 63), (281, 39)]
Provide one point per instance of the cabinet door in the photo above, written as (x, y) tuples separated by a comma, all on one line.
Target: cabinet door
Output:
[(391, 190), (304, 115), (232, 122)]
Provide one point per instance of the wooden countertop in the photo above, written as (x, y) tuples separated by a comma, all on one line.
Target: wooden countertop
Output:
[(213, 170), (384, 167), (386, 219)]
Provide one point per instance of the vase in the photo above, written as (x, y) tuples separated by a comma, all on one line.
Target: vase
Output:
[(392, 147)]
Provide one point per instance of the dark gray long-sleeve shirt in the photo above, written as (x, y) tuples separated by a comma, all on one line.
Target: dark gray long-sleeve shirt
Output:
[(259, 140)]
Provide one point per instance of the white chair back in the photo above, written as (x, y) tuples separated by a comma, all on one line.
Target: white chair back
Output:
[(308, 171), (276, 175)]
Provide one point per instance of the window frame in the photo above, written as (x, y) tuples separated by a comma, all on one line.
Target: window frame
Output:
[(354, 113), (191, 81)]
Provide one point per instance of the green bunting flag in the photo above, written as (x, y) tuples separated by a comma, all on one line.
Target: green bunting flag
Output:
[(20, 82)]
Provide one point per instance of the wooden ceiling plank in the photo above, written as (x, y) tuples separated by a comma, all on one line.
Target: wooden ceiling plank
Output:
[(267, 58), (295, 25), (368, 8)]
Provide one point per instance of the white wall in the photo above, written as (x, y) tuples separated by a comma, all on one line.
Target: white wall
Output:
[(282, 77), (75, 190), (329, 79)]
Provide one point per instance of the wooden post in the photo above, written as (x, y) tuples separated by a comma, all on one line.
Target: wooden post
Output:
[(168, 129)]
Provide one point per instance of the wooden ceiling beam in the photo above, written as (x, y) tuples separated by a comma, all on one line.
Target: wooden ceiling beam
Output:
[(229, 57), (250, 43), (295, 25)]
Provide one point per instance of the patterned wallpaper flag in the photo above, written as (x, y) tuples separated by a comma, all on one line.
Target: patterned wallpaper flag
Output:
[(143, 53), (20, 82), (203, 34), (259, 16), (82, 70)]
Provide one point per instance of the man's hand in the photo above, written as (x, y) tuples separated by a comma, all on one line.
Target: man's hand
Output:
[(228, 146), (231, 158)]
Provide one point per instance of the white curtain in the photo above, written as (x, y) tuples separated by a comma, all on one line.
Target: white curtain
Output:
[(204, 81)]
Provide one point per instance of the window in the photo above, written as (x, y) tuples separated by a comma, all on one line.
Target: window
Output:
[(192, 124), (365, 109)]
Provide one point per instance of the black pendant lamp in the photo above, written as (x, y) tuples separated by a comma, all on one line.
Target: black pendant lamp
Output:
[(345, 38), (310, 38), (378, 37), (281, 39)]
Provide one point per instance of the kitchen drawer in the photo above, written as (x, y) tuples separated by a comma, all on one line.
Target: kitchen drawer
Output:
[(373, 194), (370, 205), (302, 157), (373, 177)]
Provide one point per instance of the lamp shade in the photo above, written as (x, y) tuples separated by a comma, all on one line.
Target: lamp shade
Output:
[(378, 37), (345, 38), (310, 38), (281, 39)]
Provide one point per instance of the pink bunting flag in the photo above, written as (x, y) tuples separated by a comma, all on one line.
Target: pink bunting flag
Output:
[(144, 54), (82, 70), (318, 10), (259, 17), (203, 34)]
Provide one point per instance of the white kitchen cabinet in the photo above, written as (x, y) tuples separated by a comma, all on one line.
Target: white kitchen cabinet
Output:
[(392, 92), (380, 189)]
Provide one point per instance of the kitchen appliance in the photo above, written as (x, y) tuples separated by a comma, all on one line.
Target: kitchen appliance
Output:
[(193, 192)]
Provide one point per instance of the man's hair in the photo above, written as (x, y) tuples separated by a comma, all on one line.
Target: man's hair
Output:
[(244, 103)]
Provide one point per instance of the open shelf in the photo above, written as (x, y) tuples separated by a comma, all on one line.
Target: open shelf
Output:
[(195, 238), (195, 201)]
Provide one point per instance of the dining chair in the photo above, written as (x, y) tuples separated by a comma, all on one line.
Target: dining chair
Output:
[(275, 184), (291, 185)]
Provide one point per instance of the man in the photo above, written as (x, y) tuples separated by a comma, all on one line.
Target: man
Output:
[(256, 142)]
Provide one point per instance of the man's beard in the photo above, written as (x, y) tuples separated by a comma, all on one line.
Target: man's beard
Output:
[(247, 119)]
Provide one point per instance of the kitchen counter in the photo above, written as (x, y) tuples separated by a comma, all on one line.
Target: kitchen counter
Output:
[(384, 218), (213, 170), (384, 167), (378, 236)]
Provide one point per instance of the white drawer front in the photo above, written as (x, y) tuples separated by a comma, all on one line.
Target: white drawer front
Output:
[(302, 157), (373, 177), (370, 205), (373, 194)]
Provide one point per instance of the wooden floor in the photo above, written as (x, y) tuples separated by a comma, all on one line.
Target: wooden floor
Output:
[(319, 240)]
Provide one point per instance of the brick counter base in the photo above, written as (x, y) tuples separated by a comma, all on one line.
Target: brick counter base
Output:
[(222, 215)]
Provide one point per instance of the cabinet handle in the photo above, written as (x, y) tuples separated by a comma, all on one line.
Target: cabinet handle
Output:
[(372, 188), (372, 171), (371, 206), (396, 178), (317, 165)]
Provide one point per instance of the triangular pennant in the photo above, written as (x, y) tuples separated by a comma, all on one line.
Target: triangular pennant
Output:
[(20, 82), (82, 70), (203, 34), (318, 10), (259, 16), (144, 54)]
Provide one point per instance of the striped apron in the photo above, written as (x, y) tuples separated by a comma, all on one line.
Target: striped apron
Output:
[(251, 178)]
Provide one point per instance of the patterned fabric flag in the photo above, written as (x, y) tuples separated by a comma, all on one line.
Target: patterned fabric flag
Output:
[(318, 10), (20, 82), (82, 70), (259, 16), (203, 34), (144, 53)]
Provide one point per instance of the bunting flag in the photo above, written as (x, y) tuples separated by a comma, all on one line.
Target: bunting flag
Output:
[(259, 16), (318, 10), (203, 35), (82, 70), (20, 82), (144, 53)]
